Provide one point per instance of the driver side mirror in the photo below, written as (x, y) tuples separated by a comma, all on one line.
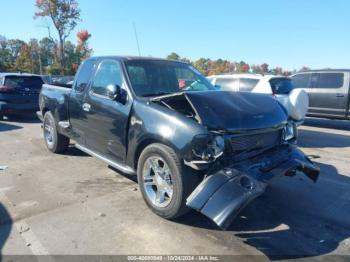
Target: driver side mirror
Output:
[(115, 93)]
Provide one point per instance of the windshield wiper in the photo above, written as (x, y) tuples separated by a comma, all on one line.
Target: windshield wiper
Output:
[(159, 94)]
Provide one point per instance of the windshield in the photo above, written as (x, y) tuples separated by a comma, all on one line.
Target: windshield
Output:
[(281, 86), (157, 77)]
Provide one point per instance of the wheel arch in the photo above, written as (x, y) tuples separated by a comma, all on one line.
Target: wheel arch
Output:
[(145, 143)]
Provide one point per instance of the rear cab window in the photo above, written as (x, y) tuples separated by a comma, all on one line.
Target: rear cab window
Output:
[(247, 84), (281, 86), (21, 82), (227, 84)]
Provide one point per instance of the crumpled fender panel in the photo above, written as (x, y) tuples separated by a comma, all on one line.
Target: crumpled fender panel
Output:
[(223, 195)]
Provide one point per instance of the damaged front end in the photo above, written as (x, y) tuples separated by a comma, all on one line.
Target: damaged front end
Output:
[(245, 146), (222, 195)]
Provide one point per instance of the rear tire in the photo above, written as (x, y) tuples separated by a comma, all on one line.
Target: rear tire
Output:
[(178, 184), (54, 141)]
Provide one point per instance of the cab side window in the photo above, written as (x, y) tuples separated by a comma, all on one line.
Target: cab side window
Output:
[(330, 80), (84, 75), (109, 72)]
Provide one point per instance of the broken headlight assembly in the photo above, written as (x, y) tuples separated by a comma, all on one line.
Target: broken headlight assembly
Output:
[(289, 132), (208, 148)]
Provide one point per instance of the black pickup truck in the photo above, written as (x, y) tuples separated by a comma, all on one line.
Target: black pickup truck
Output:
[(189, 144)]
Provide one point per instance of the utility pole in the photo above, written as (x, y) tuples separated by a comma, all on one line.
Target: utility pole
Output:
[(137, 39), (40, 64)]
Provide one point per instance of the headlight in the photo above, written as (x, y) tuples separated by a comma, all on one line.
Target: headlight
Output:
[(289, 132), (208, 147)]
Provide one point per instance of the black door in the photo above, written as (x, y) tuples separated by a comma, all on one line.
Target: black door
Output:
[(78, 119), (107, 119)]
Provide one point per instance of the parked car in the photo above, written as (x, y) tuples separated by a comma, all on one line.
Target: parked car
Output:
[(295, 101), (19, 93), (328, 91), (192, 146)]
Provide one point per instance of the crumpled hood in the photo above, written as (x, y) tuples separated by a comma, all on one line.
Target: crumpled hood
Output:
[(235, 111)]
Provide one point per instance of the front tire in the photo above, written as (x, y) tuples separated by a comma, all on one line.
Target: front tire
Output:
[(164, 181), (54, 141)]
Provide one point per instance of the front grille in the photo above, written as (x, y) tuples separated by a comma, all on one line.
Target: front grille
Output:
[(253, 142)]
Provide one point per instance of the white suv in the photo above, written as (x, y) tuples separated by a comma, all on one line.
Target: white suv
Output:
[(296, 101)]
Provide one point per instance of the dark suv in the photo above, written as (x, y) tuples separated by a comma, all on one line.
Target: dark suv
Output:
[(19, 93)]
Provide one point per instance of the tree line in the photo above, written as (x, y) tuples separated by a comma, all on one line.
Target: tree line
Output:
[(51, 55), (42, 56), (221, 66), (55, 55)]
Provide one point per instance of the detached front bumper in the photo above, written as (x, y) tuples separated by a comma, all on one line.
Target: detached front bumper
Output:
[(223, 195)]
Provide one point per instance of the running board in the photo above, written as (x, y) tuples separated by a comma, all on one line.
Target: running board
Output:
[(125, 169)]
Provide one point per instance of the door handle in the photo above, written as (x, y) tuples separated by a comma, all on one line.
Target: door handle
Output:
[(339, 95), (86, 107)]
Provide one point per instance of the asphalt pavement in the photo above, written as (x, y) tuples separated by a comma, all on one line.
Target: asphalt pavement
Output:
[(75, 204)]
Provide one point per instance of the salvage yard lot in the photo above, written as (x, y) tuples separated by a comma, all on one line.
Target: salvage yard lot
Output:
[(75, 204)]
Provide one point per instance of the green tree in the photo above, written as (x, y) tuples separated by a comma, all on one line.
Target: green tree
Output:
[(64, 15), (173, 56), (35, 56), (202, 65), (15, 47), (48, 52), (4, 55), (23, 61)]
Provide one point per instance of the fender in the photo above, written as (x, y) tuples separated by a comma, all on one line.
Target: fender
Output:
[(152, 123)]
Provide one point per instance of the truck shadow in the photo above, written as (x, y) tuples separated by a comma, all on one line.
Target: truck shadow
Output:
[(5, 227), (8, 127), (29, 118), (73, 151), (295, 218), (316, 139), (328, 123)]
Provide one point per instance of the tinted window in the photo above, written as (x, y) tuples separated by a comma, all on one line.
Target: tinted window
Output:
[(108, 73), (85, 73), (281, 86), (157, 77), (301, 81), (330, 80), (1, 80), (227, 84), (20, 82), (247, 84)]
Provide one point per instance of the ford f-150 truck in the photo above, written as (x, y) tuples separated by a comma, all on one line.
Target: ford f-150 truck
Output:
[(190, 146)]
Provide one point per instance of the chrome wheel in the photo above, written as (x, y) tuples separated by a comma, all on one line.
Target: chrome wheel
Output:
[(157, 181), (49, 132)]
